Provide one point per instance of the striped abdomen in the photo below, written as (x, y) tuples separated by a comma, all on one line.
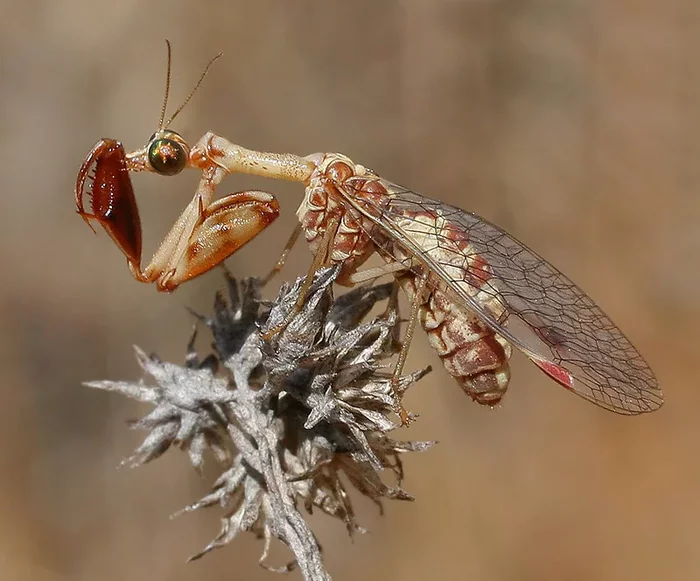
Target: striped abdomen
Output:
[(471, 353)]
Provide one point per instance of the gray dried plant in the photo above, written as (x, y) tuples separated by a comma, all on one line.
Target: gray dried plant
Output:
[(291, 420)]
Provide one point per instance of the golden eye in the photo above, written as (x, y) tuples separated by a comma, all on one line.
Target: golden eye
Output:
[(167, 156)]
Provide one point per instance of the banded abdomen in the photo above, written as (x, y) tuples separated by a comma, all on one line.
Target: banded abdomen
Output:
[(474, 355)]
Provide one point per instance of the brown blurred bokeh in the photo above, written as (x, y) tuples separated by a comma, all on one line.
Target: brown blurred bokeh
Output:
[(571, 123)]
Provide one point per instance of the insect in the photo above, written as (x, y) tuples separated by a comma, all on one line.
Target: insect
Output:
[(475, 290), (207, 232)]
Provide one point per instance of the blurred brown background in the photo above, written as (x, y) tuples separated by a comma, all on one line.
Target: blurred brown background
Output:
[(571, 123)]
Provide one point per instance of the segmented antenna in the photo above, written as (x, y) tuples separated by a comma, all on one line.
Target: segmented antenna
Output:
[(167, 87), (161, 124)]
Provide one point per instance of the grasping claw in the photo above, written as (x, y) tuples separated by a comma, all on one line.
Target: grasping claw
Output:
[(204, 235)]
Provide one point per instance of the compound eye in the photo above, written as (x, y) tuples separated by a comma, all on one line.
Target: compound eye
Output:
[(167, 156)]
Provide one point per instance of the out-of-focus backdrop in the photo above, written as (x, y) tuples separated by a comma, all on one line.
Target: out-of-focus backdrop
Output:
[(573, 124)]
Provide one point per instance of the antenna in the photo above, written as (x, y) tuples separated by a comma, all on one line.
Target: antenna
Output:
[(167, 87), (192, 92)]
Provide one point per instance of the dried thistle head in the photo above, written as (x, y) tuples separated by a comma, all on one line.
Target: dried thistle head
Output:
[(287, 416)]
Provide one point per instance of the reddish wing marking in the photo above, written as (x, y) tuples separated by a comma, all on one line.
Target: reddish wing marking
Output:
[(547, 316)]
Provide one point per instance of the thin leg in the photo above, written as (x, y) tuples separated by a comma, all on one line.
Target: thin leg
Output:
[(285, 252), (374, 273), (403, 354), (322, 258)]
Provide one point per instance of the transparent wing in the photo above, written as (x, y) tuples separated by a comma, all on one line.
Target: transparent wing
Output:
[(544, 314)]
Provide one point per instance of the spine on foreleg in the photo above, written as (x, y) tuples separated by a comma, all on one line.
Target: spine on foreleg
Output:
[(473, 354)]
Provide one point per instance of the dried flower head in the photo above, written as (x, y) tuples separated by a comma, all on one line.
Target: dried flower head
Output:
[(285, 416)]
